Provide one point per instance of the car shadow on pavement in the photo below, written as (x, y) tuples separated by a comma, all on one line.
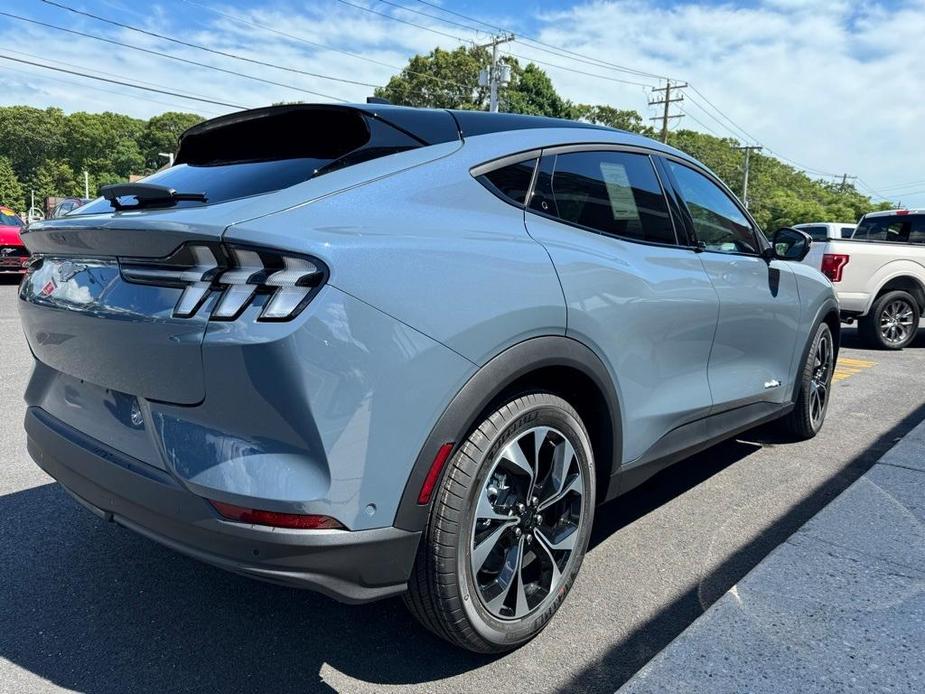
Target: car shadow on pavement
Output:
[(93, 607), (851, 340), (623, 659)]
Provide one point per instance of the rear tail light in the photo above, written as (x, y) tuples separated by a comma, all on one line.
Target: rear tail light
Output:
[(833, 264), (295, 521), (238, 274)]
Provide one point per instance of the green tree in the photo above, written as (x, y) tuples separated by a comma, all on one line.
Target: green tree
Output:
[(440, 79), (621, 119), (30, 136), (161, 134), (532, 92), (53, 178), (11, 190)]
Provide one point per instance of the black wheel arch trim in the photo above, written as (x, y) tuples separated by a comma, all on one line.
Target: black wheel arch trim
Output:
[(479, 392), (829, 308)]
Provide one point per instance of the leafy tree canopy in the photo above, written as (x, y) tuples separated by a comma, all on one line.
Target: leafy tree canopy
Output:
[(47, 151), (11, 191)]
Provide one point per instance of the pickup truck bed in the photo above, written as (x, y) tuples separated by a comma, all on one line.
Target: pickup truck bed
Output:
[(879, 275)]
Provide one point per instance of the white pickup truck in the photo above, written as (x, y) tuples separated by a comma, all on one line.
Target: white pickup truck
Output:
[(879, 275)]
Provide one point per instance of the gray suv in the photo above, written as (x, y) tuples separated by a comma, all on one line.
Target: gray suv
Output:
[(373, 350)]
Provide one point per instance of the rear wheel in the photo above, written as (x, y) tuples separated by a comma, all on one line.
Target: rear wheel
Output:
[(892, 323), (509, 528)]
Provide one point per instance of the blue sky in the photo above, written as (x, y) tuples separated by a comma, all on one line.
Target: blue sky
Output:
[(829, 84)]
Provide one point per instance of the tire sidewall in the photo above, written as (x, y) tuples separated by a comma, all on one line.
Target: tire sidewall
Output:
[(509, 634)]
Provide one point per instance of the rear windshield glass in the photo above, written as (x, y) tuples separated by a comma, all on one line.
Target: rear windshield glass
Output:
[(909, 228), (9, 219), (819, 233), (266, 154)]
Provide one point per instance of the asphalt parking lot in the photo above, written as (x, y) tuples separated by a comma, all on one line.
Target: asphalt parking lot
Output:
[(91, 607)]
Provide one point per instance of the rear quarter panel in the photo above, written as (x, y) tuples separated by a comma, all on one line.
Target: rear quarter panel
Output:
[(433, 248)]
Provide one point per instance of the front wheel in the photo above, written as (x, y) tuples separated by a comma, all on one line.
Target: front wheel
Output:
[(509, 528), (892, 323), (814, 387)]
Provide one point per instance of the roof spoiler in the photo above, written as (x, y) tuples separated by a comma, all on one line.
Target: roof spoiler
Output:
[(291, 131)]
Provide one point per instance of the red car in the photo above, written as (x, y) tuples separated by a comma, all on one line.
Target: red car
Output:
[(13, 254)]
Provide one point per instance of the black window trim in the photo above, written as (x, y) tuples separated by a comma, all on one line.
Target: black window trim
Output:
[(760, 239)]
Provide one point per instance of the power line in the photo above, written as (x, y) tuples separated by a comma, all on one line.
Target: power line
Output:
[(576, 71), (70, 64), (580, 57), (121, 83), (168, 56), (70, 83), (215, 51), (302, 39), (439, 19), (402, 21)]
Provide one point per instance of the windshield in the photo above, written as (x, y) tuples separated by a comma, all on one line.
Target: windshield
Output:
[(895, 228), (8, 218)]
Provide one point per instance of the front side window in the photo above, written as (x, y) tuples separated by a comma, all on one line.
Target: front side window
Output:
[(719, 223), (615, 193)]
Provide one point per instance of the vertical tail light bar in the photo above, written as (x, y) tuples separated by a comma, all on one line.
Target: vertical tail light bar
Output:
[(833, 264), (238, 274)]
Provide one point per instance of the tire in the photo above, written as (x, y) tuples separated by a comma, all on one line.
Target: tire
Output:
[(892, 323), (475, 608), (815, 387)]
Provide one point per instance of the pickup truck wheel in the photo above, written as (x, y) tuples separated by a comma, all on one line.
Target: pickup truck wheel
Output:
[(815, 386), (892, 323), (508, 528)]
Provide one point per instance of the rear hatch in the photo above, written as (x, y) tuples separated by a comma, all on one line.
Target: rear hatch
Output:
[(92, 314)]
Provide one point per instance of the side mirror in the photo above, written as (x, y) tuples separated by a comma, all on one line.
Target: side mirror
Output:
[(790, 244)]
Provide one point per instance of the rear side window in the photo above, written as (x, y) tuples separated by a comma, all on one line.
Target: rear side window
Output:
[(719, 223), (846, 232), (892, 228), (615, 193), (512, 182)]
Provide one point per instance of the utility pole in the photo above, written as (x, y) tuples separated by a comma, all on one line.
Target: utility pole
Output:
[(86, 185), (496, 75), (667, 102), (748, 149), (844, 182)]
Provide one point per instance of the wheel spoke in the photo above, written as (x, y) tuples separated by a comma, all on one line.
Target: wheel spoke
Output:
[(575, 484), (514, 455), (547, 548), (564, 544), (506, 578), (562, 458), (485, 547)]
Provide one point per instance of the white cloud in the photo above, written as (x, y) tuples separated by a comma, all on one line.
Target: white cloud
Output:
[(832, 84)]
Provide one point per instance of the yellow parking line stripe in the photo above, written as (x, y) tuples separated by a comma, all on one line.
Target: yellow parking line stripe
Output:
[(848, 367), (862, 363)]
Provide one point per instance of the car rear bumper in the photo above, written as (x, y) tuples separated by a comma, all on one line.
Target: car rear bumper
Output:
[(351, 566)]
